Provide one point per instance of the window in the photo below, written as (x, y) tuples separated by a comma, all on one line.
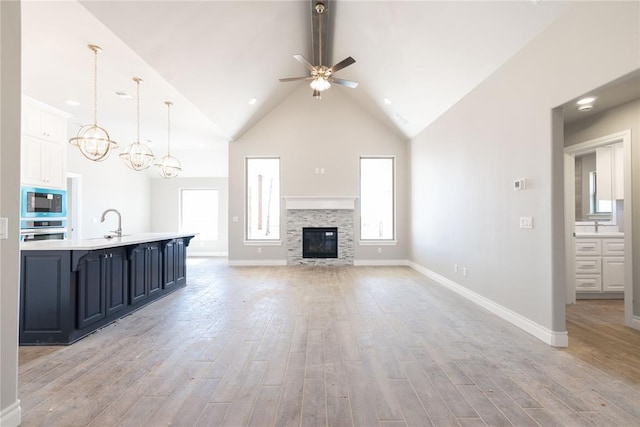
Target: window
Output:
[(377, 198), (263, 198), (199, 212)]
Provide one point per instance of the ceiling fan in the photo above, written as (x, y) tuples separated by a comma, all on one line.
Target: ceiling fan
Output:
[(321, 76)]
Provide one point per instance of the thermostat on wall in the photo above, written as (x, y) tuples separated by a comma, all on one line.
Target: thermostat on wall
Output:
[(520, 184)]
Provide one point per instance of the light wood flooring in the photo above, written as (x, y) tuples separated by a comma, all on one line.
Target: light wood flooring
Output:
[(319, 346)]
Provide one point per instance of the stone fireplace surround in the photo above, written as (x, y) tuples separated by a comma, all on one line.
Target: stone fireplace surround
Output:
[(320, 212)]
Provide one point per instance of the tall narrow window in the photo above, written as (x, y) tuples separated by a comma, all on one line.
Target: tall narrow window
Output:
[(377, 198), (199, 212), (263, 198)]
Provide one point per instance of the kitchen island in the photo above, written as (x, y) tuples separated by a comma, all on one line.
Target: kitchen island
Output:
[(70, 288)]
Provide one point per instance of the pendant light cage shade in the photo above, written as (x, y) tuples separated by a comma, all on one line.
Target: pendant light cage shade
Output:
[(137, 156), (93, 141), (168, 166)]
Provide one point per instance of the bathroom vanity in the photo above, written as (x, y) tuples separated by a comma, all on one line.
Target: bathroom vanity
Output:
[(599, 264)]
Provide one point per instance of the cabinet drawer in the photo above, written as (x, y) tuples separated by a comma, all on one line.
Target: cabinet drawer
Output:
[(588, 247), (588, 283), (588, 265), (613, 247)]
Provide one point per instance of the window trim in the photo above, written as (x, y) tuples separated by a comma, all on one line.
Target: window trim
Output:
[(393, 240), (261, 242)]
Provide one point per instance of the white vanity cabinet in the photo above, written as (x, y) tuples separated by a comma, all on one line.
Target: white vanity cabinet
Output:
[(599, 264), (43, 146)]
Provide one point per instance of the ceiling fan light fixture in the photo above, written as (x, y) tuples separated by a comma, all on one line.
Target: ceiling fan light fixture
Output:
[(93, 141), (320, 84)]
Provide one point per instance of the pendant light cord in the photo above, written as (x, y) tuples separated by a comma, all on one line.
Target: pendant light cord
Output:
[(168, 127), (137, 80), (95, 86)]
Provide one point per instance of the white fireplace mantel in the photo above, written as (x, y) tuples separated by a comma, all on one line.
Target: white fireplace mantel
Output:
[(320, 202)]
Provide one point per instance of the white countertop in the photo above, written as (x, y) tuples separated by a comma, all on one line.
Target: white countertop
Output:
[(98, 242), (601, 234)]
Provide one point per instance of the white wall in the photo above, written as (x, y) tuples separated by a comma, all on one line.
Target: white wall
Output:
[(9, 208), (165, 208), (623, 117), (463, 206), (110, 184), (306, 133)]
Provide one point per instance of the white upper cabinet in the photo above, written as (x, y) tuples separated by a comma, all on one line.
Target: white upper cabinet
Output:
[(610, 172), (43, 163), (44, 145)]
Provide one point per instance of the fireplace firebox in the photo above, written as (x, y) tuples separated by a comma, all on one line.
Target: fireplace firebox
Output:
[(320, 242)]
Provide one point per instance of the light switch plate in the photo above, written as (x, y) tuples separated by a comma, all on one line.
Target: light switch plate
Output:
[(4, 228), (526, 222)]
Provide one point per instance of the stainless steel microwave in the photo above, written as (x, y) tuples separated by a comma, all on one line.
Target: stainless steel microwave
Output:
[(43, 203)]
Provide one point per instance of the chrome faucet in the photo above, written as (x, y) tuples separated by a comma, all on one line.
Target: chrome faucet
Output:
[(119, 230)]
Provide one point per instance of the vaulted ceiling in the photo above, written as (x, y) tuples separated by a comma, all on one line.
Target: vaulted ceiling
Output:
[(212, 57)]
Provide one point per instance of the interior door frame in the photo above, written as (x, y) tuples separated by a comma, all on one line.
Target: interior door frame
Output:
[(585, 147)]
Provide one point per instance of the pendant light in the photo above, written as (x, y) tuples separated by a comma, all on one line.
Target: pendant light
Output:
[(168, 166), (92, 140), (137, 156)]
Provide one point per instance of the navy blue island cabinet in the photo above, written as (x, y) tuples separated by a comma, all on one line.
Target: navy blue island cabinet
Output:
[(69, 289)]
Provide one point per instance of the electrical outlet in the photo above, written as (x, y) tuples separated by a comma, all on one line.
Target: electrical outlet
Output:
[(259, 250), (455, 268), (465, 271), (379, 250)]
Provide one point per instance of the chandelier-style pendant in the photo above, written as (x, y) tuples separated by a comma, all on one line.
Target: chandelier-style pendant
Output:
[(92, 140), (137, 156), (168, 166)]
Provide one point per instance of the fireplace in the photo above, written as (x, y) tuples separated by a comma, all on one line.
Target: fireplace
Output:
[(320, 242)]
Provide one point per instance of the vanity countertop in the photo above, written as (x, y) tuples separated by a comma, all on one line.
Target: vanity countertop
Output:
[(602, 235)]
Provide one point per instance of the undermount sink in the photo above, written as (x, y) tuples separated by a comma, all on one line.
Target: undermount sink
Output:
[(108, 237)]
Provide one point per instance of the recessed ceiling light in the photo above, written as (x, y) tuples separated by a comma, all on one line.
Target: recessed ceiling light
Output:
[(587, 100), (72, 102), (123, 95), (586, 107), (387, 101), (252, 101)]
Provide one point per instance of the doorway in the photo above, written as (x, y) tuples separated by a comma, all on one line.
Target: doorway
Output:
[(597, 212)]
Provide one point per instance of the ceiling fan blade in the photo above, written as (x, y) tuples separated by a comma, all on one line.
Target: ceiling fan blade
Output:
[(342, 64), (342, 82), (292, 79), (305, 62)]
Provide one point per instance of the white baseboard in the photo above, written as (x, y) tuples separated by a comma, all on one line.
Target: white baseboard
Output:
[(11, 416), (195, 254), (380, 262), (256, 262), (556, 339)]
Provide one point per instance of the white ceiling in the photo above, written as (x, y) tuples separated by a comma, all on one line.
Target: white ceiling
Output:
[(211, 57)]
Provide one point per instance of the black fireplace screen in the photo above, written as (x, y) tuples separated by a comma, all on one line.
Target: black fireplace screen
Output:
[(319, 242)]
